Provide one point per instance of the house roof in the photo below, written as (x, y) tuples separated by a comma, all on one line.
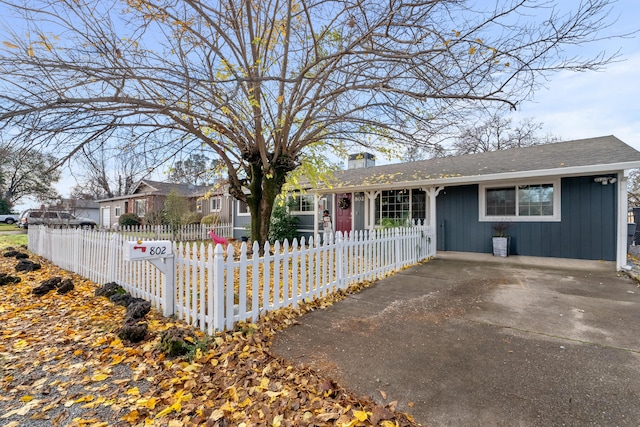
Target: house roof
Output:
[(149, 187), (164, 188), (605, 154), (81, 203)]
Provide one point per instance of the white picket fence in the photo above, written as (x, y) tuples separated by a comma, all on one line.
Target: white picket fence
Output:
[(213, 288), (183, 233)]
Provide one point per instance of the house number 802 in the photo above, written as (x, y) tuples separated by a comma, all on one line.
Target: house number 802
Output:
[(158, 250)]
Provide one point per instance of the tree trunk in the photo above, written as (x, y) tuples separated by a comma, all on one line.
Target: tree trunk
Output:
[(264, 188)]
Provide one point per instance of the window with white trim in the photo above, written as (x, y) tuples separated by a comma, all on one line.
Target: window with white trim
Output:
[(243, 209), (140, 207), (216, 204), (400, 206), (302, 203), (118, 211), (525, 201)]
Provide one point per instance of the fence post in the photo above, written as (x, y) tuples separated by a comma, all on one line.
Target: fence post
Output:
[(339, 251), (397, 257), (167, 266), (169, 288), (218, 288)]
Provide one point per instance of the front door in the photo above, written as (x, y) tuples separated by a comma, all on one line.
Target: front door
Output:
[(343, 212), (106, 217)]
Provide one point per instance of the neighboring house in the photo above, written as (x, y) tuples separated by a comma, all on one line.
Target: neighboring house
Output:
[(566, 199), (216, 201), (148, 196)]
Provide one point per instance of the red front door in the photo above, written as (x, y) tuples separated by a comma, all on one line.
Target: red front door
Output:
[(343, 212)]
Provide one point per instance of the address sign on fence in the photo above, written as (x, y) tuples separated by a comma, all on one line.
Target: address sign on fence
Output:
[(148, 249)]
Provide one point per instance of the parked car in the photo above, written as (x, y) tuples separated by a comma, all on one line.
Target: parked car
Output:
[(9, 219), (53, 218)]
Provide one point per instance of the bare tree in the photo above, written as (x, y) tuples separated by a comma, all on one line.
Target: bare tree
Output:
[(106, 170), (633, 189), (261, 82), (27, 173), (499, 133)]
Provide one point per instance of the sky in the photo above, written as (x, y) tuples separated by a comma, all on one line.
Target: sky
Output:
[(589, 104), (576, 105)]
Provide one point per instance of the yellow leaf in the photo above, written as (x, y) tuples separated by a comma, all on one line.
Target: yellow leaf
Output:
[(133, 391), (19, 345), (264, 384), (10, 45), (280, 99), (233, 393), (131, 417), (472, 50), (148, 403), (387, 423), (26, 399), (190, 339), (116, 359), (361, 415), (30, 51), (164, 412), (78, 353), (277, 420), (95, 403), (87, 398), (99, 377)]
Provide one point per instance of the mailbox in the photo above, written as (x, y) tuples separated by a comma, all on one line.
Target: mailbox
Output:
[(148, 249)]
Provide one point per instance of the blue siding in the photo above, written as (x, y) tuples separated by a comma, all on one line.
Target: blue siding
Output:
[(587, 229)]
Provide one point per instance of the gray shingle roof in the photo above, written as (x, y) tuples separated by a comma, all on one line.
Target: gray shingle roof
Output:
[(598, 155), (164, 188)]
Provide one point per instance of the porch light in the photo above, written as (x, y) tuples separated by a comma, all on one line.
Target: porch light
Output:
[(604, 180)]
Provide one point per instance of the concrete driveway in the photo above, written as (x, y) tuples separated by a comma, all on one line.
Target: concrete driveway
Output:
[(473, 340)]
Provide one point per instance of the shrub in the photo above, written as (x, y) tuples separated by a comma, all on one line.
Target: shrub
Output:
[(156, 217), (283, 224), (192, 218), (129, 219), (211, 219)]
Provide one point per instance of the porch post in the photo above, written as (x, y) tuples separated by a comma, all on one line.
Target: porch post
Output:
[(371, 214), (316, 217), (623, 206), (433, 192)]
